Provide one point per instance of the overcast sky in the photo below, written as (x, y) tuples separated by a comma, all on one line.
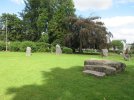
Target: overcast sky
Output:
[(117, 15)]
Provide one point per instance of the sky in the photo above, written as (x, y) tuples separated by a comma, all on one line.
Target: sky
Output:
[(117, 15)]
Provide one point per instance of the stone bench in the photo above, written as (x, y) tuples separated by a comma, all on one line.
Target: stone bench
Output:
[(105, 66)]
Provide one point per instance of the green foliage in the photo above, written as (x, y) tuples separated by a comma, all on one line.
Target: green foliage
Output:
[(21, 46), (53, 48), (57, 19), (46, 16), (57, 31), (116, 51), (2, 46), (43, 47), (67, 50), (26, 44), (14, 26), (44, 38), (30, 16), (15, 46), (117, 44)]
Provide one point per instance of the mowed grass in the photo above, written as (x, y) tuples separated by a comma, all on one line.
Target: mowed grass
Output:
[(45, 76)]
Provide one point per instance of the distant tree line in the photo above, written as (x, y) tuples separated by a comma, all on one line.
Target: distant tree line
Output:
[(55, 22)]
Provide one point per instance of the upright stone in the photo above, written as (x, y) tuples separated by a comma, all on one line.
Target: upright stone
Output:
[(126, 50), (28, 51), (58, 49), (104, 52)]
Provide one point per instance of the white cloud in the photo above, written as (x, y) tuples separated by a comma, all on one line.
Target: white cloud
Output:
[(84, 5), (121, 27), (123, 1), (18, 1), (119, 21)]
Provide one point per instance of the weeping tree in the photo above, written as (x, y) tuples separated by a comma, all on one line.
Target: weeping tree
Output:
[(85, 33)]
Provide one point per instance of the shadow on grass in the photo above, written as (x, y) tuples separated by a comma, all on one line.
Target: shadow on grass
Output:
[(72, 84)]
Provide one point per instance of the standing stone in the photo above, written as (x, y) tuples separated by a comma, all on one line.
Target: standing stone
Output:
[(126, 55), (28, 51), (104, 52), (58, 49), (124, 45), (126, 50)]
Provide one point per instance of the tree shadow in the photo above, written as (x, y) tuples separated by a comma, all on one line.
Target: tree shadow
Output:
[(72, 84)]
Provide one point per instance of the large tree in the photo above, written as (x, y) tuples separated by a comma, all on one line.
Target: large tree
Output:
[(56, 29), (46, 16), (85, 33), (14, 27), (30, 16)]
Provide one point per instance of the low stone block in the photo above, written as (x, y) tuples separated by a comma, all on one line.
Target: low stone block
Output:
[(105, 66)]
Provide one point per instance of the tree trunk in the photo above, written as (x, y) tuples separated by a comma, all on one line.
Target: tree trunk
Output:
[(80, 48)]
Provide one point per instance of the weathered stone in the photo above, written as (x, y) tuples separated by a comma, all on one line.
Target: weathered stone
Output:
[(101, 68), (104, 52), (58, 49), (28, 51), (96, 73), (106, 66), (118, 65)]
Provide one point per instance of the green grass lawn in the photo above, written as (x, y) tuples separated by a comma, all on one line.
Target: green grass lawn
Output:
[(59, 77)]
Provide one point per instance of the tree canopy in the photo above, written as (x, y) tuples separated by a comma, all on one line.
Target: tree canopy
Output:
[(14, 27), (57, 19)]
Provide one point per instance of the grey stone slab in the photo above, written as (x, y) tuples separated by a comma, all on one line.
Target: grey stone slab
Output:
[(96, 73)]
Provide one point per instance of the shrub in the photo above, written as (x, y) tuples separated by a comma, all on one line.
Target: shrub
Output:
[(2, 46), (15, 46), (26, 44), (67, 50), (40, 46), (43, 47), (117, 44), (44, 38), (53, 49), (116, 51), (89, 51)]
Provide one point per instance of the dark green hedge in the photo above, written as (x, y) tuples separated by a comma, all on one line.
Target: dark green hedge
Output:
[(2, 46), (14, 46), (21, 46), (67, 50)]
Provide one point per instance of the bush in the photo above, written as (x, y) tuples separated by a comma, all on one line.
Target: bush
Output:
[(26, 44), (117, 44), (43, 47), (67, 50), (89, 51), (21, 46), (15, 46), (116, 51), (2, 46), (53, 49)]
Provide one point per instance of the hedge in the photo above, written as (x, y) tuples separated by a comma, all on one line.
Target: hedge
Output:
[(67, 50), (2, 46)]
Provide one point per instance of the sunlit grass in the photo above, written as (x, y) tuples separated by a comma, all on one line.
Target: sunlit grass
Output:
[(44, 76)]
